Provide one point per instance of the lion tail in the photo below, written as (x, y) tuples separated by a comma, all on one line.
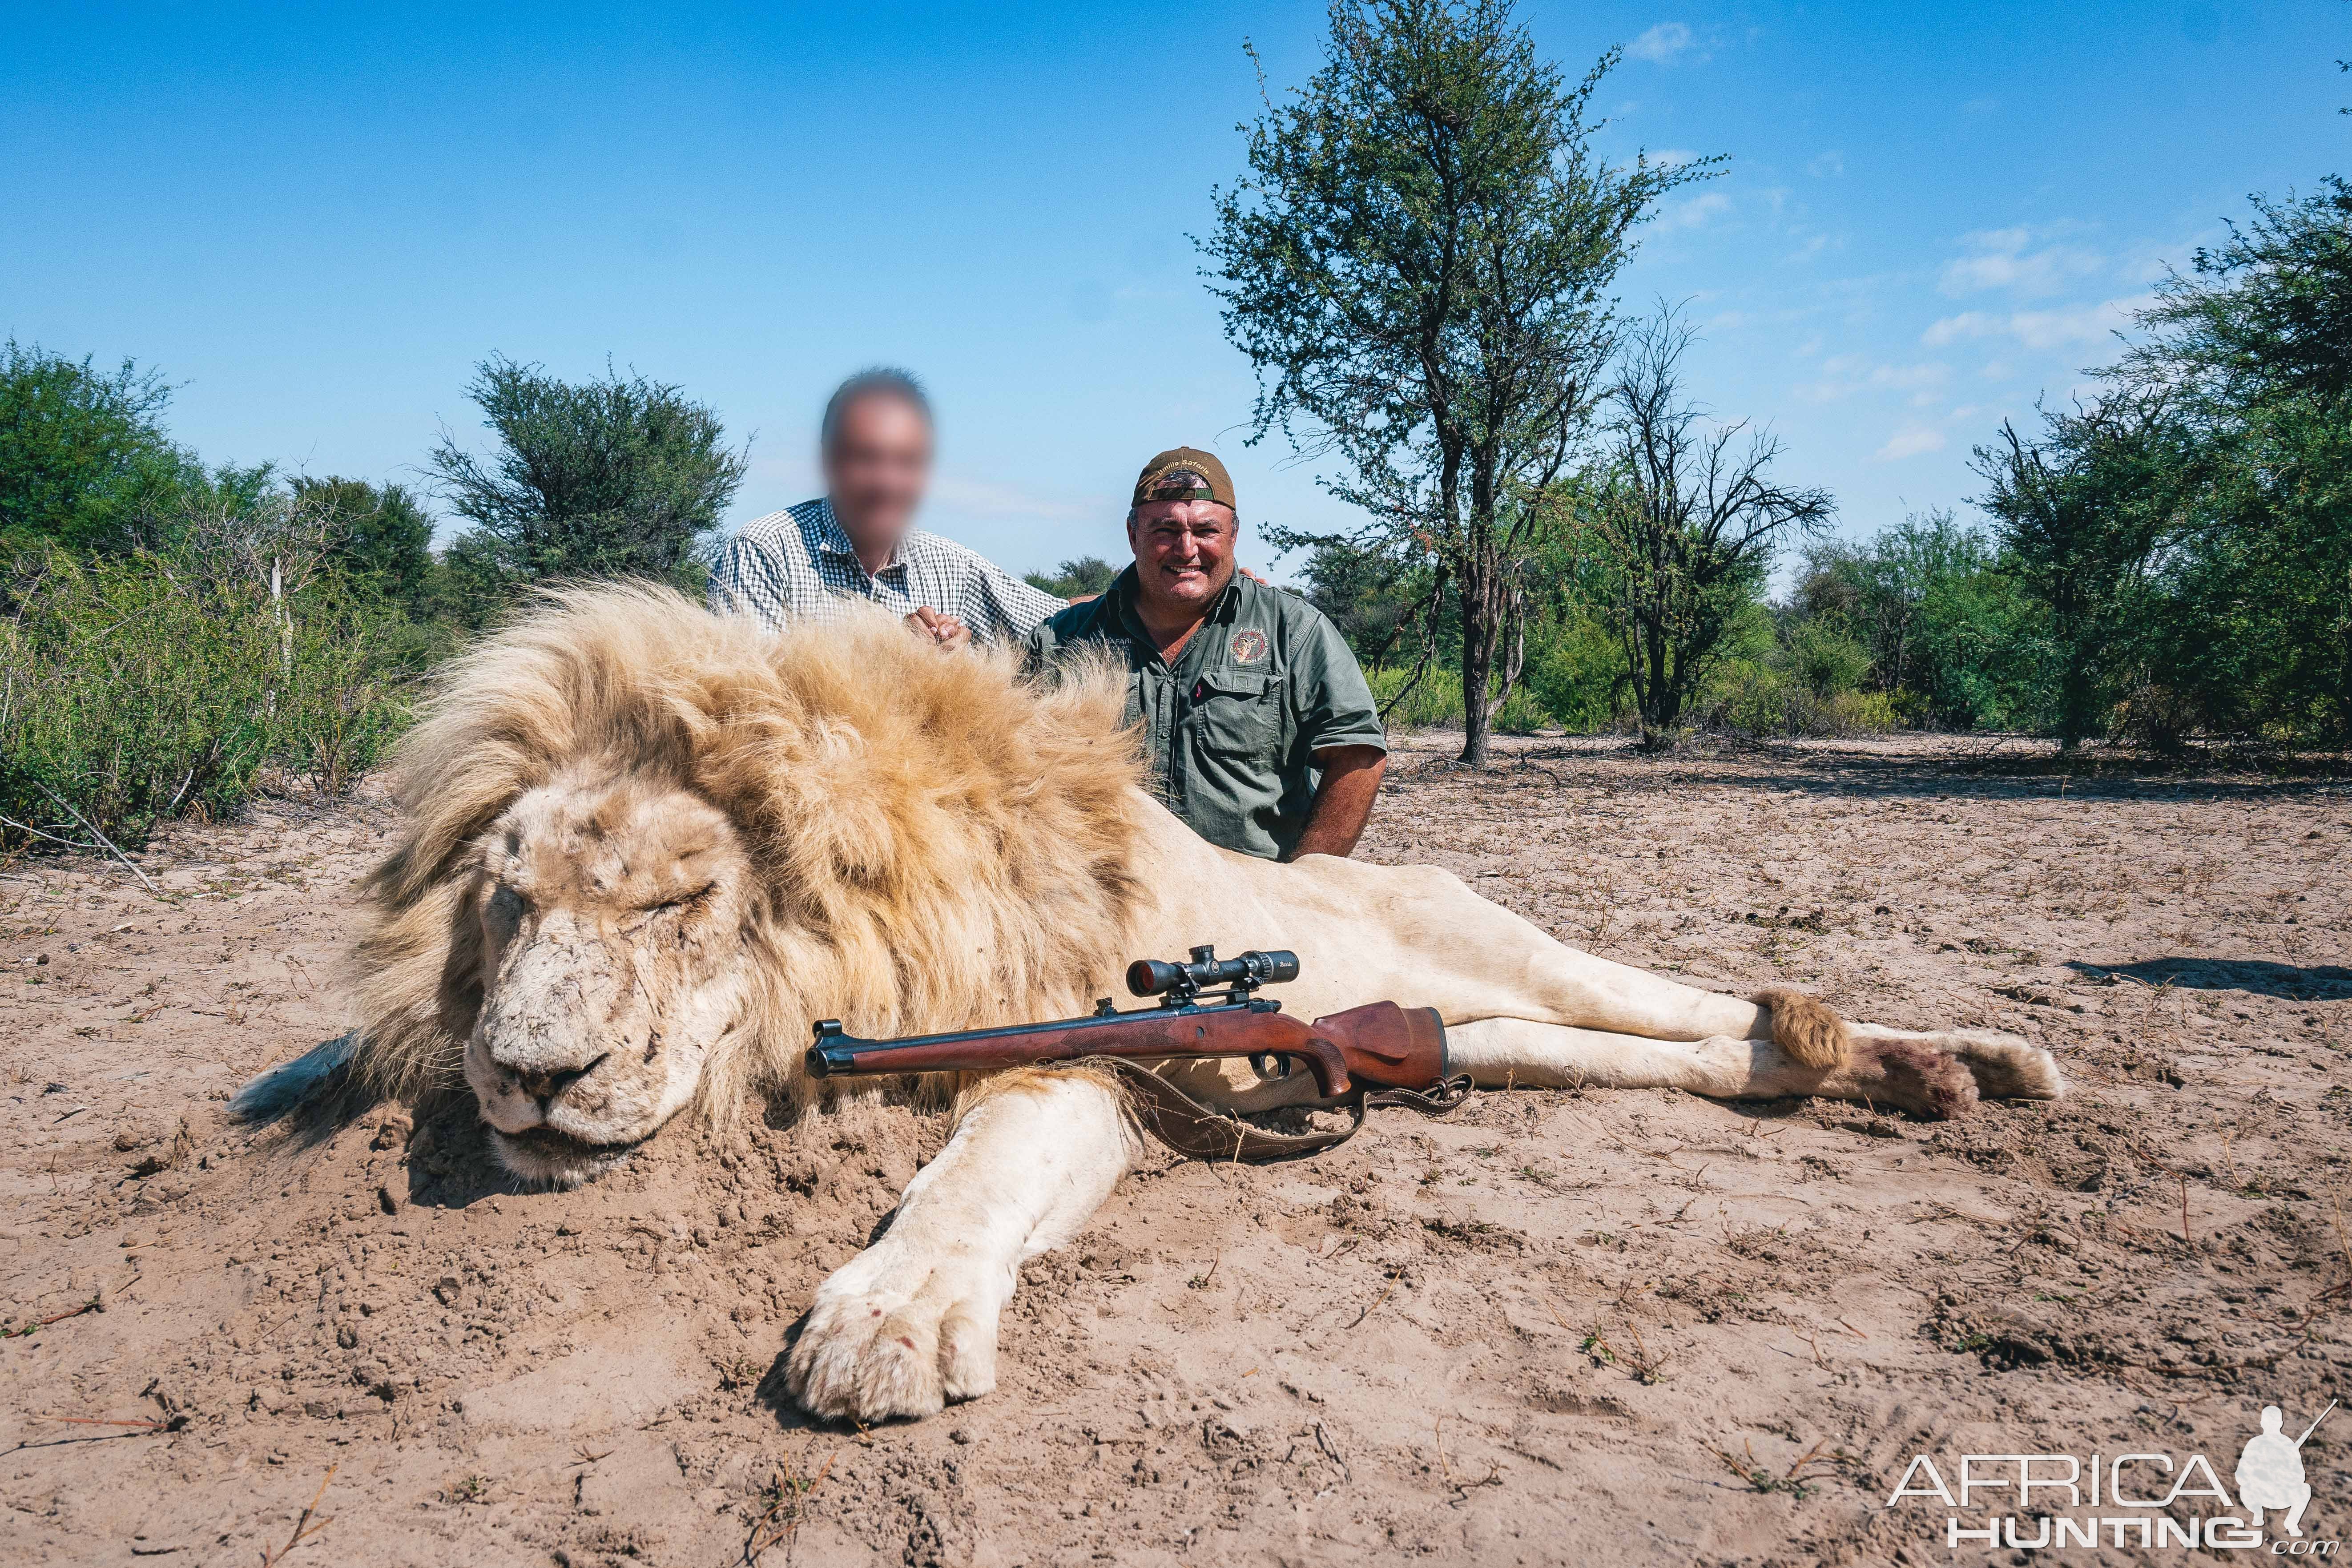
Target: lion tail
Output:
[(319, 1071), (1808, 1029)]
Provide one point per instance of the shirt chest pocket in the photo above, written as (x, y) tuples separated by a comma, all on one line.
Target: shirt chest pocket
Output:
[(1238, 712)]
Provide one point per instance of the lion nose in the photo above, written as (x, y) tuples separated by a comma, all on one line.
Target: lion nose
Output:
[(543, 1087)]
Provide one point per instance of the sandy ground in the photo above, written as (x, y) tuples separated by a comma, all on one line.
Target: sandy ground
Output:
[(1620, 1327)]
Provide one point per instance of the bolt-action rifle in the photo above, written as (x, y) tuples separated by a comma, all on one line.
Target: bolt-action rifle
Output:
[(1378, 1053)]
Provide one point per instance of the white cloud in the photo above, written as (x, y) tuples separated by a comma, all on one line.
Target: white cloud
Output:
[(1967, 324), (2038, 329), (1911, 443), (1829, 165), (2002, 259), (1695, 212), (1662, 43), (2073, 324), (1847, 374)]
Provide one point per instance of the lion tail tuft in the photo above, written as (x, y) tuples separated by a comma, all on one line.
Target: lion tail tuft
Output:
[(1810, 1030)]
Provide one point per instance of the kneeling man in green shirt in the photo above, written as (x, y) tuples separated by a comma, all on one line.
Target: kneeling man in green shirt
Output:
[(1261, 731)]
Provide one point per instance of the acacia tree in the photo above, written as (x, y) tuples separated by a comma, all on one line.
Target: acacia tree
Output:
[(2083, 513), (609, 478), (1417, 264), (1685, 526), (2186, 527), (2252, 356), (383, 535), (83, 455)]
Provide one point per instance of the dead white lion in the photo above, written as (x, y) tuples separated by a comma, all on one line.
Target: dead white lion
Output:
[(643, 848)]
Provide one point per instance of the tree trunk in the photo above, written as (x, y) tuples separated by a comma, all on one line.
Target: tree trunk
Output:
[(2075, 701), (2075, 683), (1478, 667), (1662, 703), (1664, 730)]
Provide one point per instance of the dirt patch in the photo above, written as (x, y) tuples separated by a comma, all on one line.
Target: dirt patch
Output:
[(1638, 1326)]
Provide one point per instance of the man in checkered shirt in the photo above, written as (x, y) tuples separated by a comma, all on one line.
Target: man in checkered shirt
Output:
[(859, 541)]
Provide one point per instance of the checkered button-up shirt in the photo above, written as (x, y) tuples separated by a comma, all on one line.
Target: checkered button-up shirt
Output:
[(799, 565)]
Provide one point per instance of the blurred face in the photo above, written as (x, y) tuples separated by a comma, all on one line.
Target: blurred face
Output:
[(876, 467), (1183, 554)]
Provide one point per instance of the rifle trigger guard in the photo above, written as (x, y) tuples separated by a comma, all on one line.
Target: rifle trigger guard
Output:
[(1271, 1067)]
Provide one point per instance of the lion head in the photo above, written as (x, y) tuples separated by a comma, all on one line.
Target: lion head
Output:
[(644, 847)]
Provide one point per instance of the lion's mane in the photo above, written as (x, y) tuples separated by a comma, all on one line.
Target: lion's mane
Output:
[(935, 841)]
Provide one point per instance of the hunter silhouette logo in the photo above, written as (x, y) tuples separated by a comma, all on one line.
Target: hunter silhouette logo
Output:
[(2152, 1500), (2270, 1472)]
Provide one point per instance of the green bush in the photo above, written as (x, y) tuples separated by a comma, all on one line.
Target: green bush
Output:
[(1437, 700), (1576, 674), (1574, 679), (1434, 699), (1856, 713), (1521, 713), (137, 688), (1985, 655), (83, 455), (1801, 677), (1749, 696), (1764, 698), (619, 477), (1823, 657), (1080, 579)]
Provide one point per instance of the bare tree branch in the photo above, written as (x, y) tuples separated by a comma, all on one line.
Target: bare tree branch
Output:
[(1689, 523)]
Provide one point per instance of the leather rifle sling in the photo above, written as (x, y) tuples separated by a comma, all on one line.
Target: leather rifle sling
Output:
[(1203, 1132)]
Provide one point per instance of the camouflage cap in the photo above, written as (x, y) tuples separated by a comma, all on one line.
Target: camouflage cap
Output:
[(1153, 484)]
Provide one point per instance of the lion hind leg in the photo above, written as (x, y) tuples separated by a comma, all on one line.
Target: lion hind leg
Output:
[(1807, 1029), (2004, 1066), (1907, 1075), (2007, 1067), (1523, 1053), (1899, 1074)]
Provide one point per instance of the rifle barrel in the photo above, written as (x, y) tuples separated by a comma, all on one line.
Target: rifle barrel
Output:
[(1252, 1028)]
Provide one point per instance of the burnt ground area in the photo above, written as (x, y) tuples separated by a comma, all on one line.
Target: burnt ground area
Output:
[(1621, 1327)]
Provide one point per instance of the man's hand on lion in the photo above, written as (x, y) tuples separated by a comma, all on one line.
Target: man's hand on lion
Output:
[(945, 630)]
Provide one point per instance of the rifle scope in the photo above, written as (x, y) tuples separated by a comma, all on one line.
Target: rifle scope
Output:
[(1150, 977)]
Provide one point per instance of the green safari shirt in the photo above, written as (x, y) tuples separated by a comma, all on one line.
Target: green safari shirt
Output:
[(1231, 727)]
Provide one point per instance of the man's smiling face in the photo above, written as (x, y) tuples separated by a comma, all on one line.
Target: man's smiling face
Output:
[(1183, 554)]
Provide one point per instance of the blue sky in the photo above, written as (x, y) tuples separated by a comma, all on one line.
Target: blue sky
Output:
[(316, 219)]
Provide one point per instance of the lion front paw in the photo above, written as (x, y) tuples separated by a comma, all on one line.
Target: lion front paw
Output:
[(891, 1337)]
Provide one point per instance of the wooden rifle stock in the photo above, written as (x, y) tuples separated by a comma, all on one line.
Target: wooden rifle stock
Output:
[(1379, 1045)]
